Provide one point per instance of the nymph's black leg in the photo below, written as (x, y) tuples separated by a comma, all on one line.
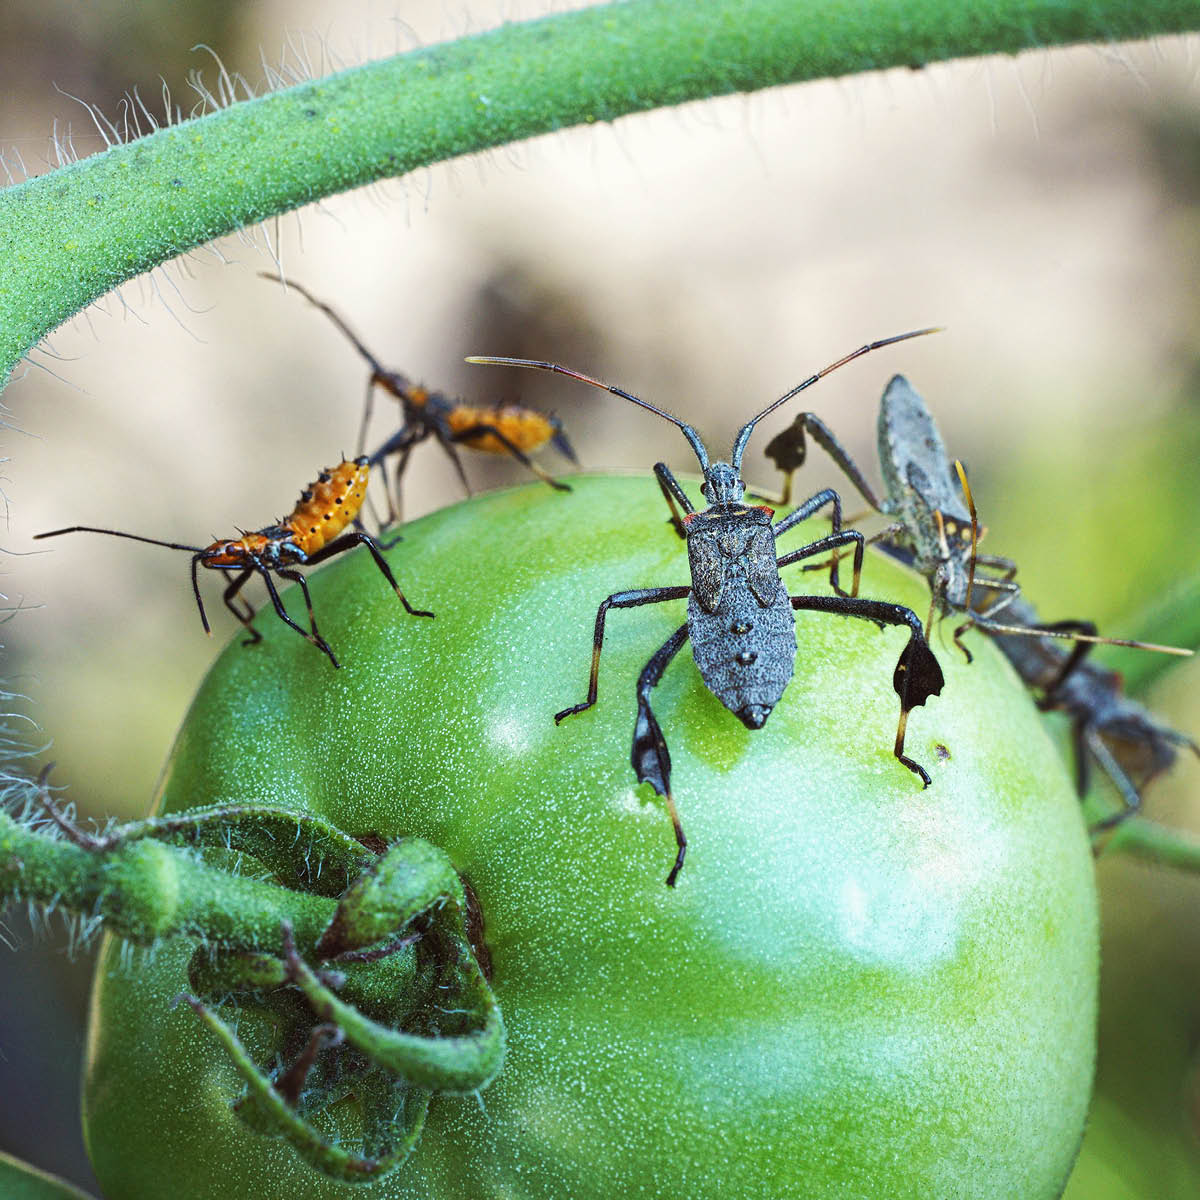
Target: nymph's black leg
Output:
[(813, 505), (196, 592), (482, 429), (314, 637), (918, 674), (368, 409), (629, 599), (246, 618), (356, 537), (675, 497), (401, 443), (651, 759), (445, 438)]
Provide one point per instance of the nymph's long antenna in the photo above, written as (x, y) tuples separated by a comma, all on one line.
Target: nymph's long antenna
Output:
[(135, 537)]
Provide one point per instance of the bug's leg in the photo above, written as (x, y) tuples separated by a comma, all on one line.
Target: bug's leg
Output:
[(395, 500), (630, 599), (314, 636), (1006, 567), (368, 409), (401, 442), (787, 450), (675, 497), (918, 674), (813, 505), (1091, 739), (356, 537), (444, 437), (483, 428), (650, 757), (841, 538), (886, 534), (245, 617), (1049, 698), (196, 592)]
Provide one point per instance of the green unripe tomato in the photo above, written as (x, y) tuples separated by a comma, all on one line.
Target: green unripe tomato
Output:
[(859, 988)]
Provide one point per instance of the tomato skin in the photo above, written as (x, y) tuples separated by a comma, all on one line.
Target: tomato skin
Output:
[(858, 988)]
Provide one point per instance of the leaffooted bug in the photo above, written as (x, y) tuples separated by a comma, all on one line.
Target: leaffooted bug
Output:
[(451, 422), (936, 531), (306, 537), (740, 616)]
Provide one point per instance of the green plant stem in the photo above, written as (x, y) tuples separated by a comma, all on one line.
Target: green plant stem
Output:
[(1141, 838), (68, 237), (145, 891)]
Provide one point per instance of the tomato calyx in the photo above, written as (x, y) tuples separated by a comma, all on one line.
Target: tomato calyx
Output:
[(353, 970)]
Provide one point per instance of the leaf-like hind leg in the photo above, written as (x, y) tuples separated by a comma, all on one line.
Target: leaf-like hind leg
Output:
[(788, 451), (918, 674), (651, 759)]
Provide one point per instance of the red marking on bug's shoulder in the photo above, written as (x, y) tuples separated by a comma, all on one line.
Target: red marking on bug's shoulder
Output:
[(765, 508), (688, 518)]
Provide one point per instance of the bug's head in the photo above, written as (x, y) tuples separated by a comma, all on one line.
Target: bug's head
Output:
[(722, 484)]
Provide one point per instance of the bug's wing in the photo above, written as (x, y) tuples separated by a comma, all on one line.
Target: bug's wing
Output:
[(707, 565), (762, 571)]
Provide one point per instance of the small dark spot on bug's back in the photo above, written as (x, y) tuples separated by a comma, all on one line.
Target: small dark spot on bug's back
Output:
[(745, 657), (741, 627), (941, 752)]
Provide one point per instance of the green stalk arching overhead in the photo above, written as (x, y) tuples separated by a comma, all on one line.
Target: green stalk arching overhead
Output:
[(68, 237)]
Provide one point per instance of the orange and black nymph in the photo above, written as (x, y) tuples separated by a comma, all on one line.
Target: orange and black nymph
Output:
[(507, 429), (312, 533)]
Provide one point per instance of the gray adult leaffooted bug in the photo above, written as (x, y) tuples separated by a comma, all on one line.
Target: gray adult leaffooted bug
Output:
[(935, 530), (740, 615)]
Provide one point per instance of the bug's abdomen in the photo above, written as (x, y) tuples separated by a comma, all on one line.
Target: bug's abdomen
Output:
[(746, 652), (526, 429), (327, 506)]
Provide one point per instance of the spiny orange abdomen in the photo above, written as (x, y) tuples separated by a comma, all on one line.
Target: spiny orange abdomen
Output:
[(326, 507), (526, 429)]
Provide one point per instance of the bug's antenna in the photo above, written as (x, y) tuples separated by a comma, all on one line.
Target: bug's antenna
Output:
[(688, 432), (739, 445), (135, 537), (966, 488), (351, 336)]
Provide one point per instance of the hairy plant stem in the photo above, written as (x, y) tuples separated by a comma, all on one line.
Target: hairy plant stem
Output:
[(144, 890), (68, 237)]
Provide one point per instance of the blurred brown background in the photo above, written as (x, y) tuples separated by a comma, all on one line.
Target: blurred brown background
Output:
[(1043, 208)]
